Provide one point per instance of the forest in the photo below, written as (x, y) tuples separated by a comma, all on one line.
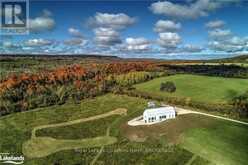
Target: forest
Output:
[(22, 91)]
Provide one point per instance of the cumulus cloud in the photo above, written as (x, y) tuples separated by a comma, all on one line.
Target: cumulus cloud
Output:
[(75, 41), (189, 48), (107, 27), (166, 25), (9, 47), (224, 40), (38, 42), (221, 46), (114, 21), (215, 24), (169, 39), (235, 40), (191, 11), (106, 36), (232, 44), (137, 44), (219, 34), (42, 23), (9, 44), (75, 32)]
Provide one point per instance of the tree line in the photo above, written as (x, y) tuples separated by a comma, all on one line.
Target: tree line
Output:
[(27, 91)]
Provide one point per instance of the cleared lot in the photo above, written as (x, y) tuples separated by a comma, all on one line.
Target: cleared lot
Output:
[(198, 88)]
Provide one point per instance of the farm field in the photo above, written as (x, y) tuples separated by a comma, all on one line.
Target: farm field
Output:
[(176, 144), (198, 88)]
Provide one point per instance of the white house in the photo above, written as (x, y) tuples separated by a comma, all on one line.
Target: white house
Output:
[(159, 114)]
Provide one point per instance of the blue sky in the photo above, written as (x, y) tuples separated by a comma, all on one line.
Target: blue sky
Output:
[(192, 29)]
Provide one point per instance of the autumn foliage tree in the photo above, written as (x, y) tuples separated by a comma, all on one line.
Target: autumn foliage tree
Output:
[(50, 87)]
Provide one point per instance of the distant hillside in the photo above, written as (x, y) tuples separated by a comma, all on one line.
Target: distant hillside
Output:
[(12, 57), (237, 59), (68, 56)]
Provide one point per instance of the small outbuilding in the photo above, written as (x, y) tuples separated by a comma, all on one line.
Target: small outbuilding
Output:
[(151, 104), (159, 114)]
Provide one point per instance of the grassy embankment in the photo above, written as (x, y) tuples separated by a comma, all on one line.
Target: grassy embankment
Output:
[(180, 140)]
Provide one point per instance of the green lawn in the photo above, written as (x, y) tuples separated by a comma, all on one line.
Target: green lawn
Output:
[(44, 146), (172, 142), (198, 88), (224, 143), (84, 130)]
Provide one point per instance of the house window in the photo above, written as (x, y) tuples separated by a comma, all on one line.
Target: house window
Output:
[(162, 117)]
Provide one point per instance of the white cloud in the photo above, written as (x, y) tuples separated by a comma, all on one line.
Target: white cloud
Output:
[(169, 39), (189, 48), (166, 25), (215, 24), (137, 44), (224, 40), (106, 27), (231, 44), (221, 46), (114, 21), (75, 41), (237, 41), (75, 32), (38, 42), (219, 33), (106, 32), (42, 23), (106, 36), (9, 45), (191, 11)]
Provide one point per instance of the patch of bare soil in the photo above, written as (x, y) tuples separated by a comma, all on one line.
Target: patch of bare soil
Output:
[(170, 129)]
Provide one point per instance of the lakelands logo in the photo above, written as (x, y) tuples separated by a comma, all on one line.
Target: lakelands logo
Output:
[(7, 158), (14, 17)]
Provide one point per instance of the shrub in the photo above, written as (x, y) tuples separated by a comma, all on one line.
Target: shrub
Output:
[(241, 104), (168, 87)]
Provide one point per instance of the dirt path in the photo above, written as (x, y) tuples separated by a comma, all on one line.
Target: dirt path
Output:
[(191, 160), (44, 146), (101, 149), (181, 111), (119, 111)]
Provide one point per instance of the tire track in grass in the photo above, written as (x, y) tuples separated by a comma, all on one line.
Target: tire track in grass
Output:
[(118, 111), (43, 146), (191, 160), (101, 149)]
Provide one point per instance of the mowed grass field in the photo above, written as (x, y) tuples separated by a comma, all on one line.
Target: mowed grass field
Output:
[(198, 88), (223, 143), (188, 138), (84, 129)]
